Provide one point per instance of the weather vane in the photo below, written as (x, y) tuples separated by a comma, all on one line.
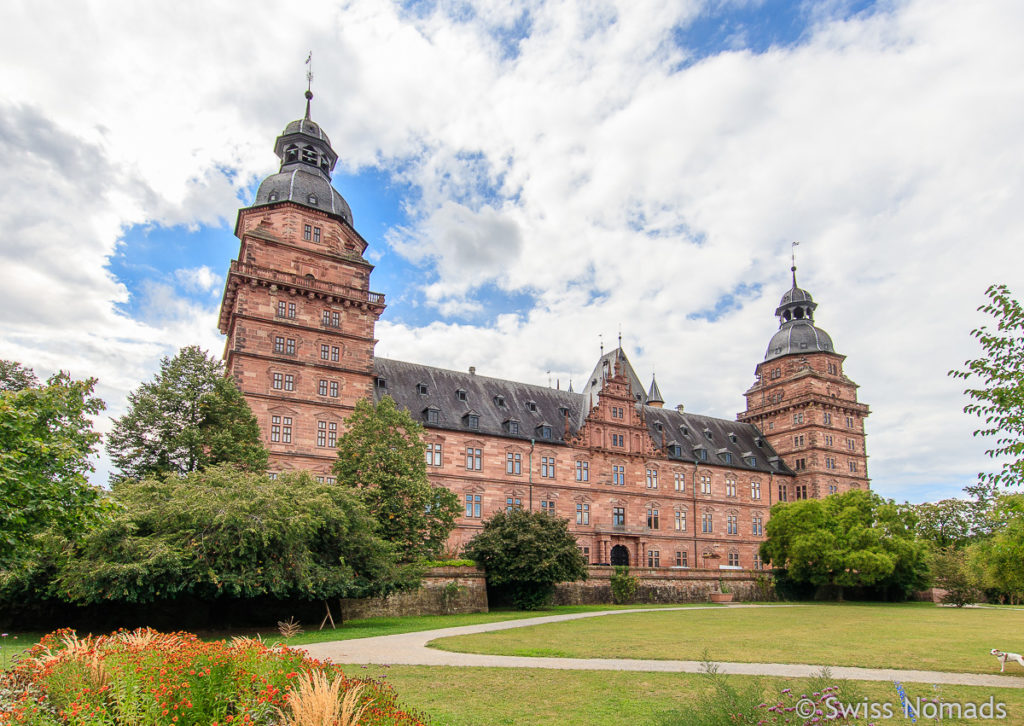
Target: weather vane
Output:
[(309, 72), (793, 254)]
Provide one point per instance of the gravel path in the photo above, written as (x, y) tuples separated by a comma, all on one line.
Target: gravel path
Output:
[(411, 649)]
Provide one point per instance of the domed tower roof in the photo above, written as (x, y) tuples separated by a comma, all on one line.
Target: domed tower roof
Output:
[(797, 331), (307, 161)]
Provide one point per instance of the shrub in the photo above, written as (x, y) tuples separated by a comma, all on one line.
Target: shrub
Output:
[(624, 586), (165, 679)]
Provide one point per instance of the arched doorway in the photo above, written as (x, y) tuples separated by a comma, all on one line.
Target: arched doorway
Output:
[(620, 556)]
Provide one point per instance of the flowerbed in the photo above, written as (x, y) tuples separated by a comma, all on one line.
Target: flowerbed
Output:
[(174, 679)]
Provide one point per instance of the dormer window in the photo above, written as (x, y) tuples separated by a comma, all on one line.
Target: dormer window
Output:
[(544, 431), (472, 421), (512, 426), (460, 394), (312, 198), (707, 434), (421, 388), (701, 453), (684, 430), (675, 450), (531, 406), (432, 415), (563, 411), (751, 461), (499, 401), (759, 442), (732, 438), (725, 456), (381, 383), (272, 197), (658, 425)]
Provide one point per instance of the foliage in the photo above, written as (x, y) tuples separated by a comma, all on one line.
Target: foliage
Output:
[(146, 677), (46, 439), (224, 532), (16, 377), (998, 398), (382, 456), (997, 563), (624, 585), (448, 563), (527, 554), (189, 417), (946, 523), (950, 572), (846, 540)]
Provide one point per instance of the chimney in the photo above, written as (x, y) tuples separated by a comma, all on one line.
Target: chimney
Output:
[(679, 408), (472, 370)]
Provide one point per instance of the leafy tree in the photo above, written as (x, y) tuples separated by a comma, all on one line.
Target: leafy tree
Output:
[(382, 456), (189, 417), (526, 554), (952, 573), (16, 377), (854, 539), (997, 562), (946, 523), (999, 374), (46, 439), (225, 532)]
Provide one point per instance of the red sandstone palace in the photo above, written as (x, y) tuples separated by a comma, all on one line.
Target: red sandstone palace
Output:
[(640, 484)]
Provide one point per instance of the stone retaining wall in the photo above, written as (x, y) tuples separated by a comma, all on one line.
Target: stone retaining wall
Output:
[(663, 585), (444, 591)]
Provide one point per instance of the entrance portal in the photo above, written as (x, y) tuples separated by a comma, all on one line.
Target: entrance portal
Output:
[(620, 556)]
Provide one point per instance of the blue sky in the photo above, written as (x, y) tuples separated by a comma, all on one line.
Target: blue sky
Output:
[(531, 176)]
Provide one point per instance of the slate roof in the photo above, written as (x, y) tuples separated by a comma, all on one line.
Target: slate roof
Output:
[(798, 336), (690, 432)]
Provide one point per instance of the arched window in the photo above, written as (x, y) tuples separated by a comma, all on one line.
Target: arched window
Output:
[(309, 155), (291, 154)]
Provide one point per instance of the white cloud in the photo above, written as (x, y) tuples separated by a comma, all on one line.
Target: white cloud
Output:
[(583, 168)]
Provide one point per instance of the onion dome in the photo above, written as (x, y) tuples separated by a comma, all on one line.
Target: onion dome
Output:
[(307, 161), (797, 331)]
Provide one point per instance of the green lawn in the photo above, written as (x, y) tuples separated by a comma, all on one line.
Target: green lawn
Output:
[(921, 637), (495, 696)]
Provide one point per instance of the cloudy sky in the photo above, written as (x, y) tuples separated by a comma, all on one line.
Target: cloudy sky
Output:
[(532, 176)]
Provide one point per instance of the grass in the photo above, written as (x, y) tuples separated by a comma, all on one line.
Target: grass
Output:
[(11, 644), (868, 635), (372, 627), (496, 696)]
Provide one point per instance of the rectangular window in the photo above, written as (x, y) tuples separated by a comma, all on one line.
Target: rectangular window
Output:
[(705, 484), (335, 353), (798, 418), (681, 559), (325, 352), (853, 466), (833, 489), (278, 344), (546, 506), (334, 389), (289, 382), (582, 513), (547, 467), (849, 422), (800, 465), (322, 388), (798, 440), (618, 516), (513, 503), (320, 480), (757, 526), (585, 551), (755, 490), (278, 381), (474, 459), (801, 491), (321, 433), (316, 234), (758, 562), (619, 475), (307, 232), (291, 310), (617, 440), (826, 418), (734, 559), (828, 440), (433, 454), (653, 521), (275, 428), (326, 318), (680, 481), (282, 308), (513, 463), (680, 520), (272, 475), (730, 487), (783, 494), (653, 558), (732, 524), (707, 525), (335, 320), (582, 471), (289, 346), (472, 505), (332, 434), (830, 463), (851, 444), (652, 478), (286, 429)]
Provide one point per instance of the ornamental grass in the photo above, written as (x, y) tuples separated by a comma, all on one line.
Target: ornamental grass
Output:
[(145, 677)]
